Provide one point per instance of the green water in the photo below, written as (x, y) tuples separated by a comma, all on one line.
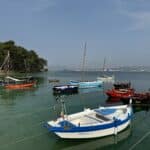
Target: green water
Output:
[(23, 113)]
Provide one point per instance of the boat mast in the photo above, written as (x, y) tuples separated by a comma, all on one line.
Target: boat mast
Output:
[(5, 66), (83, 63), (63, 109), (26, 67), (8, 64), (104, 65)]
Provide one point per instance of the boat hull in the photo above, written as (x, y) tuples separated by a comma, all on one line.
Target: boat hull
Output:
[(20, 86), (107, 79), (88, 84), (65, 89), (119, 94), (93, 134)]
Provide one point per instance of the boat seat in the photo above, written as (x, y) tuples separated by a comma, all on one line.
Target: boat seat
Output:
[(94, 118), (102, 117)]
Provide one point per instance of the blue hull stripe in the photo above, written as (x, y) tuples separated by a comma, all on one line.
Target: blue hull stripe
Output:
[(89, 128), (87, 84)]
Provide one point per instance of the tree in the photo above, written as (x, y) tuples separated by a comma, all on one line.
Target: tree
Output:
[(22, 60)]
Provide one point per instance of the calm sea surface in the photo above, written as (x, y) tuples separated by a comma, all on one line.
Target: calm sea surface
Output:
[(23, 113)]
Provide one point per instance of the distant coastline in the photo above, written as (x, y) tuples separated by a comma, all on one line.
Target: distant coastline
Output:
[(113, 69)]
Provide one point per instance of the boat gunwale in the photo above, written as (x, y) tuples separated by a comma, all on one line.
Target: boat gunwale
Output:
[(113, 124)]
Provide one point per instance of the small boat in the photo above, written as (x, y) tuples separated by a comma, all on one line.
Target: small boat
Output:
[(53, 80), (120, 90), (19, 86), (15, 83), (121, 93), (104, 77), (91, 123), (86, 84), (65, 89), (83, 83), (138, 98)]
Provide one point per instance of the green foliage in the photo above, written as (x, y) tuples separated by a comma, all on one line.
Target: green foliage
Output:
[(21, 60)]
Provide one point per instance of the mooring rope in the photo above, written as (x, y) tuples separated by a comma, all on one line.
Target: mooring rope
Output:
[(23, 139), (139, 141)]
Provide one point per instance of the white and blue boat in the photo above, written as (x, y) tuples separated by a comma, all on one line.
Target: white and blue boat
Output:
[(104, 77), (92, 123), (86, 84), (82, 83)]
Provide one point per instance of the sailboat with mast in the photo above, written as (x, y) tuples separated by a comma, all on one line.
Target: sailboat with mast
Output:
[(14, 83), (83, 83), (104, 77), (5, 67)]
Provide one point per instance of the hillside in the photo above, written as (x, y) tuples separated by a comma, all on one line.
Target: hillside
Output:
[(21, 59)]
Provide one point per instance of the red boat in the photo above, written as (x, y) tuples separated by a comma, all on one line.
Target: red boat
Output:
[(20, 85), (120, 90), (138, 98), (15, 83), (120, 93)]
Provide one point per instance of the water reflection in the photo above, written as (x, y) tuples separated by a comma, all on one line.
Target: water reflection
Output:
[(93, 143), (138, 108), (113, 100), (80, 91), (59, 96), (90, 90), (8, 96)]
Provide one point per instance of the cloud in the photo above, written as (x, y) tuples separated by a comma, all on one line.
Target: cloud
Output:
[(141, 20), (137, 13), (40, 5), (30, 5)]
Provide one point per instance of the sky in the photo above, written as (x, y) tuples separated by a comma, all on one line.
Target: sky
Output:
[(118, 30)]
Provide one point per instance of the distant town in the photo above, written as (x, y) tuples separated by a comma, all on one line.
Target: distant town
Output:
[(112, 69)]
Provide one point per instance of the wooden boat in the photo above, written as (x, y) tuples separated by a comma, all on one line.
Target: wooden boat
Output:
[(91, 123), (53, 80), (65, 89), (19, 84), (120, 90), (14, 83)]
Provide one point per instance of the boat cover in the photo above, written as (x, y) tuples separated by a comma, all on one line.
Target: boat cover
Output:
[(105, 111), (14, 79)]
